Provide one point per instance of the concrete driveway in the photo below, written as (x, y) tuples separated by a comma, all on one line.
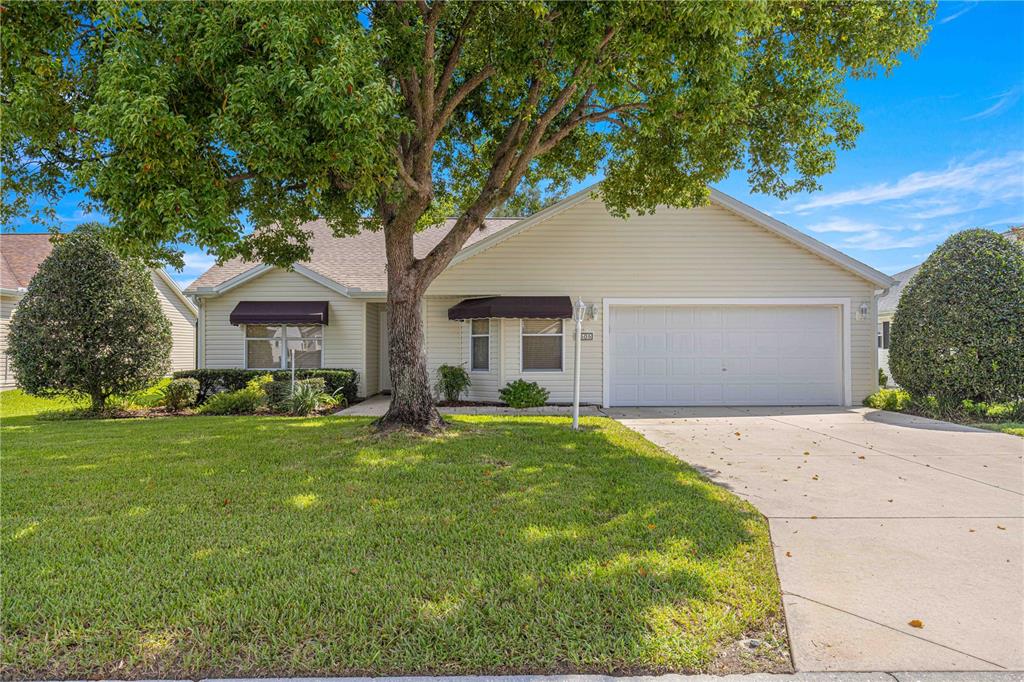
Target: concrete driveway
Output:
[(878, 520)]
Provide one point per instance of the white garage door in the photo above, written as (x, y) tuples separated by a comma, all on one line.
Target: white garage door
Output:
[(725, 355)]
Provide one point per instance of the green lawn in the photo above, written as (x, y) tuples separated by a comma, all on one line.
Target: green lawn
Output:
[(1013, 428), (204, 546)]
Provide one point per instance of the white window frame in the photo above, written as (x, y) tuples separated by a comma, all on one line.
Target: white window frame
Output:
[(473, 335), (560, 334), (883, 338), (284, 354)]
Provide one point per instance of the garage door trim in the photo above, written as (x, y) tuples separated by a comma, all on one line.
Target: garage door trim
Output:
[(843, 303)]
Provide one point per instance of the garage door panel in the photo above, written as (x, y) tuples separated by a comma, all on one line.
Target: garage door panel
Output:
[(709, 343), (626, 367), (624, 345), (737, 343), (681, 394), (681, 343), (725, 355), (653, 343), (682, 368), (655, 368)]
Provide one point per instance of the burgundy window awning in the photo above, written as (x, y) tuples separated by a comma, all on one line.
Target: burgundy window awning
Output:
[(549, 307), (279, 312)]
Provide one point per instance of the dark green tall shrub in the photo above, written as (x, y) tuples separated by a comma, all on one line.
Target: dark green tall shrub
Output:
[(90, 324), (958, 331)]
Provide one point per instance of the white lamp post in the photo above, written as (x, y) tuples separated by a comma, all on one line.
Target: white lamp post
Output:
[(578, 313)]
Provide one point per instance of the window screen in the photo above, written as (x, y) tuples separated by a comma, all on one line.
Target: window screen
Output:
[(542, 345)]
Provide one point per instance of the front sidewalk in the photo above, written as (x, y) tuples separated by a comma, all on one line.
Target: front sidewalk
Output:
[(377, 405)]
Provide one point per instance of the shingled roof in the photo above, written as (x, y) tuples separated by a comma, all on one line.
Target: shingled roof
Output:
[(356, 262), (20, 256)]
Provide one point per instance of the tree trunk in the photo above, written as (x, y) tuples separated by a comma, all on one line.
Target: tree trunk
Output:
[(99, 400), (412, 403)]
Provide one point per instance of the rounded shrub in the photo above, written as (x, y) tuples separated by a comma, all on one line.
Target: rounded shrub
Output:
[(958, 331), (181, 393), (521, 394), (90, 324)]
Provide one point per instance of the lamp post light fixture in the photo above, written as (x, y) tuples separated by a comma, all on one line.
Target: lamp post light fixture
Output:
[(579, 312)]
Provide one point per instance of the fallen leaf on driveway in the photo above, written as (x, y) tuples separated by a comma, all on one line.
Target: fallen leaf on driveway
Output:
[(916, 624), (1000, 527), (789, 554), (860, 457)]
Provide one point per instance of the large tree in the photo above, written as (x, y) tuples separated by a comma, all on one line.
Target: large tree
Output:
[(189, 123)]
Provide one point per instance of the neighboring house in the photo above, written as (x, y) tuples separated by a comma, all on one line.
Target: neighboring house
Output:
[(20, 256), (718, 305), (887, 304), (886, 309)]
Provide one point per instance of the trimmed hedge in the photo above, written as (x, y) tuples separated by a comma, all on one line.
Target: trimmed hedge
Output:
[(213, 381), (958, 331)]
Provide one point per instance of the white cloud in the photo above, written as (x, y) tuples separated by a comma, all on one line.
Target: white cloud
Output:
[(1004, 101), (850, 226), (959, 13), (987, 181), (877, 240), (79, 216), (196, 263)]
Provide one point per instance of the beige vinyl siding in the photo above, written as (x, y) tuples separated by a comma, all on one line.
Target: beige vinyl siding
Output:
[(706, 252), (344, 336), (183, 325), (7, 306), (372, 348), (448, 343)]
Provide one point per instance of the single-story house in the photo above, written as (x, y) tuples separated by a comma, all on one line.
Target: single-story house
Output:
[(20, 256), (886, 309), (716, 305)]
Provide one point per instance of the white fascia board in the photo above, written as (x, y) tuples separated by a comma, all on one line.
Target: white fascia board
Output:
[(162, 274), (323, 281), (262, 269), (20, 291), (797, 237)]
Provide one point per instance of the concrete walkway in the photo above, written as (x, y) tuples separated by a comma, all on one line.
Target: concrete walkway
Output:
[(899, 541), (378, 405)]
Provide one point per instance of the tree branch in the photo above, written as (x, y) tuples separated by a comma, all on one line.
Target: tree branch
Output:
[(454, 54)]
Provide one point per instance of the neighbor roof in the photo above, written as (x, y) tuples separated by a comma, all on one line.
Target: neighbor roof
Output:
[(20, 256), (888, 302), (356, 262)]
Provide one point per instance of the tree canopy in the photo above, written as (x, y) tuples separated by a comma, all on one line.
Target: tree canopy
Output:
[(186, 121)]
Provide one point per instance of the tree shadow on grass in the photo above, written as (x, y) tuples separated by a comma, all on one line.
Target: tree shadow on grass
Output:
[(501, 546)]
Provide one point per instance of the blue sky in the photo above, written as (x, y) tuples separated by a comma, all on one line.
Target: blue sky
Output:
[(942, 149)]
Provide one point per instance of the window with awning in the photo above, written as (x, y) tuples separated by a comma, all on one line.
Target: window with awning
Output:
[(279, 312), (515, 307)]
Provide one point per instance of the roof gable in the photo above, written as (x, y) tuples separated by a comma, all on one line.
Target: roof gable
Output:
[(718, 199)]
